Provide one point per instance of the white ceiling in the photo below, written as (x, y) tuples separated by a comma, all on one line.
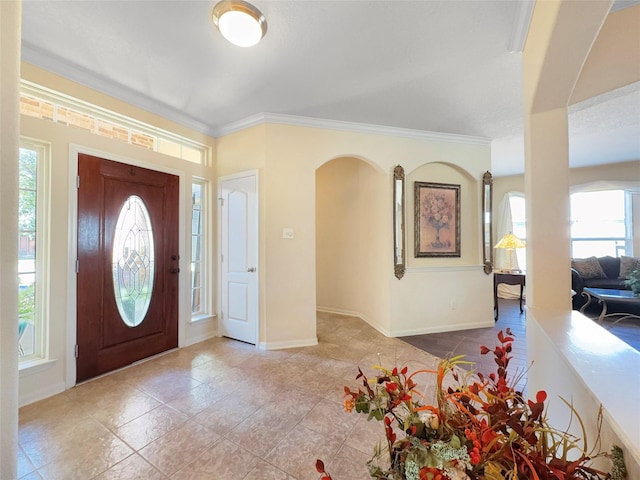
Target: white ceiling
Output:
[(435, 66)]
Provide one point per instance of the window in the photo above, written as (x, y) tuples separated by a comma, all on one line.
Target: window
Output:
[(40, 102), (32, 241), (601, 224), (519, 226), (198, 251)]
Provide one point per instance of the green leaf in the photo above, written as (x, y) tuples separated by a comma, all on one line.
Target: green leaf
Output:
[(378, 414)]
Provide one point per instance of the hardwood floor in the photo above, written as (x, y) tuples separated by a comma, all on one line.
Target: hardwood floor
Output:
[(468, 342)]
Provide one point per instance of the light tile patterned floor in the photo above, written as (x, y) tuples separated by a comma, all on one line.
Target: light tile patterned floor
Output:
[(217, 410), (226, 410)]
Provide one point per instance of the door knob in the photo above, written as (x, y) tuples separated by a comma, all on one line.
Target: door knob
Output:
[(252, 269), (175, 270)]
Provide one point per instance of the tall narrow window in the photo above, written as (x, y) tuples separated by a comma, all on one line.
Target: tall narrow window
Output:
[(31, 241), (198, 277), (519, 226)]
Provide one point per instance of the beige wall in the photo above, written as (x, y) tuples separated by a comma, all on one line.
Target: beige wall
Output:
[(612, 172), (64, 142), (288, 165), (613, 62)]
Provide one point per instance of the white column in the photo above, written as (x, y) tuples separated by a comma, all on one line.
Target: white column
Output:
[(547, 203), (10, 17), (559, 40)]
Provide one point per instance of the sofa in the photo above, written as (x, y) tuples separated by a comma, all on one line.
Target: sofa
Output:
[(600, 272)]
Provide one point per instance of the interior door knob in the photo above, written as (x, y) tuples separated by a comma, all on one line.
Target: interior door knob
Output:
[(252, 269)]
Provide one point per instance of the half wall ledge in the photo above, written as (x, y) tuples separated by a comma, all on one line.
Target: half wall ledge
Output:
[(574, 358)]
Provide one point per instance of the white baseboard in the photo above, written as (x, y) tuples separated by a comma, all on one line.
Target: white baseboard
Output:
[(41, 394), (440, 329), (200, 338), (309, 342), (408, 332), (348, 313)]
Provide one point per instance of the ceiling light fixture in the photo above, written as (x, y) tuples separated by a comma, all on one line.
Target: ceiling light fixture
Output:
[(239, 22)]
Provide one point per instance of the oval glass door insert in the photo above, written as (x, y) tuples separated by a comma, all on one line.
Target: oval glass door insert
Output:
[(133, 261)]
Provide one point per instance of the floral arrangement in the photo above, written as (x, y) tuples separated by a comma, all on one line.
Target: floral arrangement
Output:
[(479, 429)]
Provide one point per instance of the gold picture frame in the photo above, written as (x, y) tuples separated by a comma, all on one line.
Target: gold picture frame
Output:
[(437, 219)]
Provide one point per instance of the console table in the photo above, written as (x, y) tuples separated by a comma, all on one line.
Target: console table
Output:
[(509, 279)]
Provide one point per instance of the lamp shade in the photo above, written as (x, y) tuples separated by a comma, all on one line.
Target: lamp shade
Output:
[(510, 241), (239, 22)]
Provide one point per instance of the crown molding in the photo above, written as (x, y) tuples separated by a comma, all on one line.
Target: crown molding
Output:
[(36, 56), (82, 76), (343, 126), (622, 4), (524, 10)]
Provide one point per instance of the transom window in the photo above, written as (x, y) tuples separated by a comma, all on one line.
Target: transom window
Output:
[(40, 102)]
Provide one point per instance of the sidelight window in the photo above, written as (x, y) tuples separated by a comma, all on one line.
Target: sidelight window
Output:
[(198, 249), (32, 244)]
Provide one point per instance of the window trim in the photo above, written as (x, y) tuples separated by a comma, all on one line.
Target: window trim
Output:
[(42, 248), (186, 148), (204, 313)]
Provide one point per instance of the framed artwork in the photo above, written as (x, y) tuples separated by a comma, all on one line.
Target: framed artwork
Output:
[(437, 219)]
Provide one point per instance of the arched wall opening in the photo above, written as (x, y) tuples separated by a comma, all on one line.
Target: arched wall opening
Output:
[(353, 231)]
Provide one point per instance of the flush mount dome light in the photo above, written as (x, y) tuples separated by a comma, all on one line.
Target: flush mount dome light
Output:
[(239, 22)]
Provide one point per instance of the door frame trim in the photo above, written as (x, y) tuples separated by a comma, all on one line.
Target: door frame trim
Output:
[(247, 173), (72, 245)]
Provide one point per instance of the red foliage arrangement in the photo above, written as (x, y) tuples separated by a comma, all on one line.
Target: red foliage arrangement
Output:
[(480, 429)]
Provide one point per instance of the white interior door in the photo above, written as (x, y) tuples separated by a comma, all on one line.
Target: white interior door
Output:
[(239, 257)]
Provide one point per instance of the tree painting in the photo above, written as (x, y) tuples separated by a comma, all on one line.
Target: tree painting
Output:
[(437, 219)]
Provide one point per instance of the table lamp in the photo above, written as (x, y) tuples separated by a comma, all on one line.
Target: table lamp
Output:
[(510, 242)]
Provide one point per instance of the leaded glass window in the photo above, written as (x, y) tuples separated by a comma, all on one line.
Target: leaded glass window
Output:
[(133, 261)]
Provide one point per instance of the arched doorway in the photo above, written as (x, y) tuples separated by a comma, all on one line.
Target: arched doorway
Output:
[(353, 239)]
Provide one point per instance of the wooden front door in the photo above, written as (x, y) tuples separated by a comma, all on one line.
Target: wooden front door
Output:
[(127, 279)]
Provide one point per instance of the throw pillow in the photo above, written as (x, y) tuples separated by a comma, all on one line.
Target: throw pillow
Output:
[(588, 267), (628, 265)]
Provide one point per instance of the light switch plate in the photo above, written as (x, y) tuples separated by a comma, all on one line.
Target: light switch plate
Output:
[(287, 233)]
